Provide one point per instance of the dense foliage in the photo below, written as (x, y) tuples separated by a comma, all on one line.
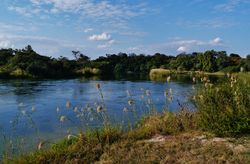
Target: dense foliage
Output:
[(27, 63)]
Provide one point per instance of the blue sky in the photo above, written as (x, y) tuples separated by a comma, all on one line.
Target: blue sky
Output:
[(97, 27)]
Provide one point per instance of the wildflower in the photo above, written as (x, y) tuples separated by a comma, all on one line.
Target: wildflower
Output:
[(69, 136), (99, 109), (148, 92), (62, 119), (68, 104), (76, 109), (149, 101), (168, 79), (205, 79), (130, 102), (57, 109), (170, 91), (194, 79), (98, 86), (40, 145), (125, 110), (170, 98)]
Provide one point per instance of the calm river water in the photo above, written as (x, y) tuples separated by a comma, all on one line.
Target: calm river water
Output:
[(33, 108)]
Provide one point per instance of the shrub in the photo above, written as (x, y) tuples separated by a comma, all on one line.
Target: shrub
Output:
[(224, 109), (231, 69)]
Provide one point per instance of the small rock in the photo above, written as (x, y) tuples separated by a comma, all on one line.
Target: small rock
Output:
[(158, 138), (217, 139)]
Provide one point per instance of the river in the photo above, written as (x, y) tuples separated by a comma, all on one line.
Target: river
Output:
[(33, 108)]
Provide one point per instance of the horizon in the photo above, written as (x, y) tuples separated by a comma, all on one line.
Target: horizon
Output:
[(57, 27)]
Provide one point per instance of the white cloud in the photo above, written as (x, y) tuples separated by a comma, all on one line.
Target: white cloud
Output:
[(190, 45), (101, 37), (182, 49), (5, 44), (216, 41)]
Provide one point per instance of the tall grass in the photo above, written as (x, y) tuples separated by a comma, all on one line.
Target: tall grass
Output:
[(224, 108)]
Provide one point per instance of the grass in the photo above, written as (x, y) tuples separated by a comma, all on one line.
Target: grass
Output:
[(163, 74), (224, 109), (141, 145)]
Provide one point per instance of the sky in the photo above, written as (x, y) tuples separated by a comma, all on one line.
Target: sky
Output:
[(99, 27)]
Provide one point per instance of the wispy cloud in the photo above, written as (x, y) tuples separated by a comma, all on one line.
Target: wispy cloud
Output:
[(209, 23), (230, 5), (189, 45), (44, 45), (107, 44), (115, 13), (24, 10), (178, 45), (87, 30), (17, 27)]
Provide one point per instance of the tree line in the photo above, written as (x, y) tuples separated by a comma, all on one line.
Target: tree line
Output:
[(28, 63)]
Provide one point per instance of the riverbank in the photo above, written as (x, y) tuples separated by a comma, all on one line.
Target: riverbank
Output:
[(148, 143)]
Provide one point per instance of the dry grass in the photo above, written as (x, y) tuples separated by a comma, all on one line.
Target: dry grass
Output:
[(175, 149)]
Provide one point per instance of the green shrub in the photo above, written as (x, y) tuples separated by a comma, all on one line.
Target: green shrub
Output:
[(231, 69), (224, 109)]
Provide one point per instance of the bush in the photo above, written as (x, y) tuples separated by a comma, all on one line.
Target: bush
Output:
[(224, 109), (231, 69)]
